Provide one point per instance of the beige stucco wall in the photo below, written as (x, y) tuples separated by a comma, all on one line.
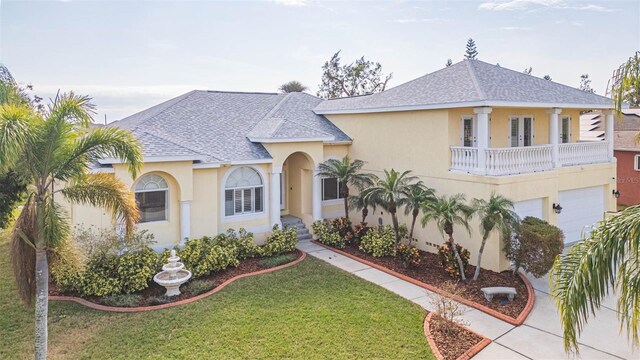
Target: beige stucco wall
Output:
[(420, 141)]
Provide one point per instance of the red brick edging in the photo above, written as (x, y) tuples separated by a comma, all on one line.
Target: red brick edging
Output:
[(471, 352), (513, 321), (95, 306)]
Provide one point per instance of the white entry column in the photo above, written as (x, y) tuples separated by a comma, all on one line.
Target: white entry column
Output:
[(482, 114), (554, 135), (274, 196), (185, 220), (609, 132), (316, 197)]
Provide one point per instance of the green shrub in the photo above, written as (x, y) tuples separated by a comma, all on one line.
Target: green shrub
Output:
[(67, 265), (343, 226), (158, 300), (279, 241), (240, 242), (448, 258), (379, 242), (327, 234), (202, 257), (277, 260), (408, 254), (360, 230), (197, 287), (121, 300), (403, 231), (535, 246)]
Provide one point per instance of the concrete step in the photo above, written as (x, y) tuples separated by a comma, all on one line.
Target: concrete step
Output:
[(306, 236)]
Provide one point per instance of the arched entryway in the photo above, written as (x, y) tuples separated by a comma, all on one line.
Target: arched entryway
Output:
[(297, 186)]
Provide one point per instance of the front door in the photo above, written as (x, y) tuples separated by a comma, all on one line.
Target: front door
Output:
[(521, 131)]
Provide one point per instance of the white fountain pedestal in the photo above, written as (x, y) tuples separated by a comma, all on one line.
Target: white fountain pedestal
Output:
[(172, 275)]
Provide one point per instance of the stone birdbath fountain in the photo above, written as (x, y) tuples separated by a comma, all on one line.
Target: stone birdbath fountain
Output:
[(173, 275)]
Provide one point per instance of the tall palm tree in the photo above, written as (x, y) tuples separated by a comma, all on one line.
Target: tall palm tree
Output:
[(495, 214), (415, 196), (58, 147), (447, 212), (389, 193), (347, 171), (609, 260)]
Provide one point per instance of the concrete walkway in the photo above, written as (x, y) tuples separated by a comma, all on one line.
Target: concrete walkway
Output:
[(540, 337)]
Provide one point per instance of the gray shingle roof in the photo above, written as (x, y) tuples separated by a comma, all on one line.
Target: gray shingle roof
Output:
[(467, 83), (213, 126)]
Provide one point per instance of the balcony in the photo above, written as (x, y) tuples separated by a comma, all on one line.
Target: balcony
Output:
[(529, 159)]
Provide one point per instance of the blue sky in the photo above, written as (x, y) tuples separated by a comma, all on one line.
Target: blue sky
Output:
[(130, 55)]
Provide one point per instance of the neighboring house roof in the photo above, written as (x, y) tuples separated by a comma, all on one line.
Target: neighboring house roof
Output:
[(626, 127), (215, 126), (464, 84)]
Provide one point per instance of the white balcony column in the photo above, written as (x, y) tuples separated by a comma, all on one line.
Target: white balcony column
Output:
[(274, 196), (554, 135), (185, 220), (609, 132), (316, 200), (482, 114)]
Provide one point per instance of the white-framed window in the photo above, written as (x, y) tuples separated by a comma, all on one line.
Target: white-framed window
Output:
[(152, 194), (521, 131), (243, 192), (331, 189), (469, 128), (636, 162), (565, 129)]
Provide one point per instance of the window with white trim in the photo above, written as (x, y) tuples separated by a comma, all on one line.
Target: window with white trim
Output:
[(331, 189), (565, 129), (636, 163), (243, 192), (152, 193)]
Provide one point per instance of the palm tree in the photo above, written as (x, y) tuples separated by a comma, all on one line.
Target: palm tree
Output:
[(447, 212), (415, 196), (347, 172), (389, 193), (609, 260), (58, 147), (495, 214)]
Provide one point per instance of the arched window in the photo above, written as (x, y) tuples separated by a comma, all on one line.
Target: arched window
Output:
[(152, 193), (243, 192)]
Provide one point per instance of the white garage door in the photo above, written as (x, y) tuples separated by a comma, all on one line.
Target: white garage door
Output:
[(529, 208), (581, 208)]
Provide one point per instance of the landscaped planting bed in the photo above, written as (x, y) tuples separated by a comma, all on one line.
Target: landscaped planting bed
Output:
[(154, 294), (452, 341), (430, 271)]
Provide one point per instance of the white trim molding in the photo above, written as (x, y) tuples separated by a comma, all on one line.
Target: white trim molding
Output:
[(151, 159), (243, 217), (289, 140)]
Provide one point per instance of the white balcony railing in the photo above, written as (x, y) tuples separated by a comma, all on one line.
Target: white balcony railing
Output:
[(529, 159), (583, 153), (519, 160), (464, 158)]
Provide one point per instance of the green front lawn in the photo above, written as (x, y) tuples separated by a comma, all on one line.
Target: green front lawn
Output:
[(309, 311)]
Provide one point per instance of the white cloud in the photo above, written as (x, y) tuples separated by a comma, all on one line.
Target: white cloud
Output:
[(415, 20), (511, 5), (509, 28), (290, 2)]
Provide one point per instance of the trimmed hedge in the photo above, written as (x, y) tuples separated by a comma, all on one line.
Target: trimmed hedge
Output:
[(379, 242), (535, 246), (279, 241)]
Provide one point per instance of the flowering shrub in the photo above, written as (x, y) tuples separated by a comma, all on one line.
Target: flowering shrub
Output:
[(279, 241), (343, 226), (448, 258), (360, 230), (408, 254), (379, 242), (327, 234)]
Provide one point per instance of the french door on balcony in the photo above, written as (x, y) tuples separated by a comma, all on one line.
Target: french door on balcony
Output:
[(520, 131), (469, 137)]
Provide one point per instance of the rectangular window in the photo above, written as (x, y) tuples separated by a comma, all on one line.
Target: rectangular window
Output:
[(468, 136), (152, 205), (243, 201), (565, 130), (636, 163), (330, 189)]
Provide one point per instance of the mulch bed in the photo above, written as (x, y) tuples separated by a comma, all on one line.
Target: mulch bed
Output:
[(451, 339), (430, 271), (156, 291)]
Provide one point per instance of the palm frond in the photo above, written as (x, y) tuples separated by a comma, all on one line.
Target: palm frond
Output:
[(73, 160), (107, 192), (15, 123), (23, 255), (607, 260)]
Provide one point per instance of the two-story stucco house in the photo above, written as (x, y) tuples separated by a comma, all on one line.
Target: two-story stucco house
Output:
[(218, 160)]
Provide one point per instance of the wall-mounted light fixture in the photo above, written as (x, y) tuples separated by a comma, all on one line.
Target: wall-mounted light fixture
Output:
[(557, 208), (616, 193)]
